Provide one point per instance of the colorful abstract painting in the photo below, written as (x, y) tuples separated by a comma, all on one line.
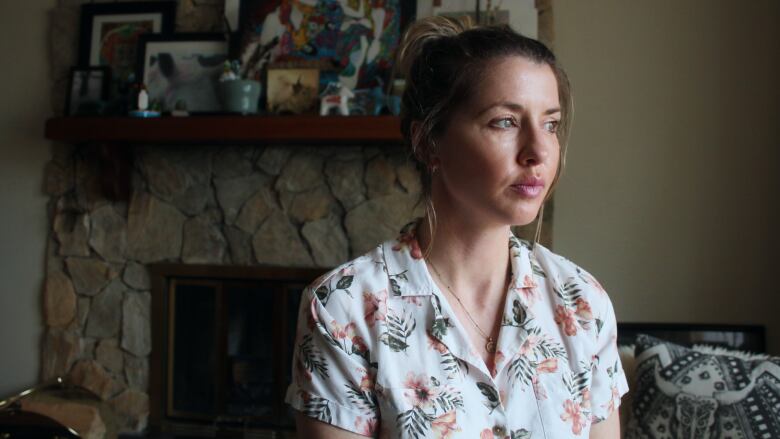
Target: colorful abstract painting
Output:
[(354, 39)]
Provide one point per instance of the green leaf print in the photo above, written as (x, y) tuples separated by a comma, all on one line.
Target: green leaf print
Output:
[(599, 325), (577, 383), (521, 369), (395, 287), (397, 331), (520, 434), (490, 394), (322, 293), (448, 401), (569, 293), (520, 317), (344, 283), (364, 400), (439, 328), (415, 422), (450, 364), (317, 407), (311, 358)]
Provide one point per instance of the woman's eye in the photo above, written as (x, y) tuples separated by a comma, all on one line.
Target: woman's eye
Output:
[(506, 122), (551, 126)]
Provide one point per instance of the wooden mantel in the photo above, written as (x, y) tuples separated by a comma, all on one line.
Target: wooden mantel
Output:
[(108, 135), (226, 129)]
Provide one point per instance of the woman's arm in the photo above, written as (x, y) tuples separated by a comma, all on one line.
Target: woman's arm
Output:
[(307, 427), (607, 429)]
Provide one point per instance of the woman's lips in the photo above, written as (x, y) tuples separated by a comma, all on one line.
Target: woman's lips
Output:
[(529, 189)]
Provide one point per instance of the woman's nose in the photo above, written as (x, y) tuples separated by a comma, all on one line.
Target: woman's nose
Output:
[(533, 146)]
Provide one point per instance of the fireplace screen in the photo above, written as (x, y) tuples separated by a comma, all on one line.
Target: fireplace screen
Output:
[(228, 347)]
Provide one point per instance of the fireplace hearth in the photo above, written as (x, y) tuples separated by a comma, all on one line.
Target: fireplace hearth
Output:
[(222, 347)]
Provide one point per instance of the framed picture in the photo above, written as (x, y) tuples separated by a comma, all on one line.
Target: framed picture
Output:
[(356, 39), (183, 69), (87, 90), (293, 91), (110, 32)]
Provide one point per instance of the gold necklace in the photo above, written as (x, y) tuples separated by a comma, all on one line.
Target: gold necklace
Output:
[(490, 344)]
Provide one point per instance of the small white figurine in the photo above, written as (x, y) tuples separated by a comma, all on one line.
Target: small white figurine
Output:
[(143, 99), (335, 95)]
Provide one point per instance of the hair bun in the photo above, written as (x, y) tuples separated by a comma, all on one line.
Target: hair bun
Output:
[(425, 30)]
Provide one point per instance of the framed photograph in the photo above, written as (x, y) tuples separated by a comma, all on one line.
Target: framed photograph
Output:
[(110, 32), (357, 39), (87, 90), (293, 91), (183, 69)]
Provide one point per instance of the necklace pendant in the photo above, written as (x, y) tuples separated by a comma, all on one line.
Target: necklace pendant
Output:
[(490, 345)]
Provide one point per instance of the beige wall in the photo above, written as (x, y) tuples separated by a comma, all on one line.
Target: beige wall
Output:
[(668, 197), (23, 154)]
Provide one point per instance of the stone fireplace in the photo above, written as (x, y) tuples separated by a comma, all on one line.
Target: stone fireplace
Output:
[(281, 206)]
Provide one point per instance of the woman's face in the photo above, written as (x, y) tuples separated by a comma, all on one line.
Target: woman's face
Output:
[(499, 153)]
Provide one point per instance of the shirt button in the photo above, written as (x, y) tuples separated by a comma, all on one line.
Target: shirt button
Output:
[(499, 431)]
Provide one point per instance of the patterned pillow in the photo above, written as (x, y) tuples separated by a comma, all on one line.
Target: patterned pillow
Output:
[(684, 393)]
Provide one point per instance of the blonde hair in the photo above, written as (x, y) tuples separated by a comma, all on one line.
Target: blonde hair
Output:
[(441, 59)]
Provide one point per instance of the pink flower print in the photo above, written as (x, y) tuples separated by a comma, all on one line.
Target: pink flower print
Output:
[(341, 332), (347, 271), (413, 300), (565, 318), (375, 307), (528, 282), (583, 309), (548, 365), (497, 360), (435, 344), (445, 424), (366, 381), (419, 393), (367, 427), (538, 388), (486, 434), (586, 399), (409, 240), (610, 405), (359, 345), (573, 412), (528, 346)]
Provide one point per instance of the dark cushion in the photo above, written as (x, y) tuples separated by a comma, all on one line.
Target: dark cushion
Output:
[(703, 393)]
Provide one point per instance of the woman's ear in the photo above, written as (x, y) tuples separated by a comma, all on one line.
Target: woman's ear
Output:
[(421, 146)]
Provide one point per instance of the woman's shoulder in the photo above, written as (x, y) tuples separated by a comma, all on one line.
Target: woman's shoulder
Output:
[(562, 271), (344, 286)]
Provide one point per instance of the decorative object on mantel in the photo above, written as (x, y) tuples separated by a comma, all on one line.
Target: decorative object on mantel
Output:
[(293, 91), (109, 34), (239, 84), (335, 96), (142, 107), (358, 37), (183, 67), (87, 91)]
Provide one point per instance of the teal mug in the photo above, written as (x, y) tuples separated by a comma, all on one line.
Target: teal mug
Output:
[(240, 96)]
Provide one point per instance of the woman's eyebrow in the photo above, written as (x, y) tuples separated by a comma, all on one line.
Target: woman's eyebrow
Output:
[(515, 107)]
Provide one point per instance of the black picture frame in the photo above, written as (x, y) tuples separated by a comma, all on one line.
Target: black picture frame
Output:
[(129, 21), (253, 12), (88, 90), (183, 82)]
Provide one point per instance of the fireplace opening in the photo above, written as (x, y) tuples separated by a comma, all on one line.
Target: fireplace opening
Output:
[(222, 345)]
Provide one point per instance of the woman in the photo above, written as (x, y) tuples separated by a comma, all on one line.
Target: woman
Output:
[(457, 328)]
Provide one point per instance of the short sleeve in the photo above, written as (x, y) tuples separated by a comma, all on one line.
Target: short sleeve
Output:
[(332, 380), (609, 382)]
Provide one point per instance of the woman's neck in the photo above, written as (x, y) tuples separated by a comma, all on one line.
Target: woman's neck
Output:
[(470, 257)]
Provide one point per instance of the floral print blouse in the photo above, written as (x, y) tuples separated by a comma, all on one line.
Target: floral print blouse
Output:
[(380, 352)]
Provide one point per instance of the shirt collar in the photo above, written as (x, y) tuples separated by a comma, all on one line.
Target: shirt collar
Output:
[(408, 275)]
